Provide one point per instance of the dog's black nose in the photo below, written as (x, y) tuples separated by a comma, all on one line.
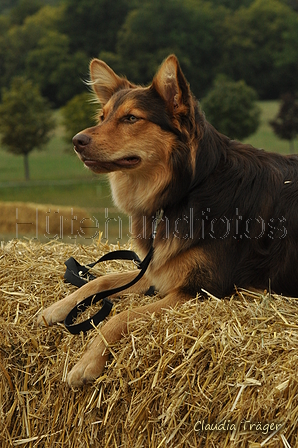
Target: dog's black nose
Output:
[(80, 141)]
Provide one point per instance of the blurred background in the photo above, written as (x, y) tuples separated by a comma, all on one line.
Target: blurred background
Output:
[(241, 59)]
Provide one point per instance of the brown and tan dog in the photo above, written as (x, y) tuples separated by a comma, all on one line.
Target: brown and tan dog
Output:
[(230, 210)]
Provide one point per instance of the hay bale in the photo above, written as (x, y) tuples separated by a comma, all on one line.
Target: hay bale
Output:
[(212, 373), (44, 221)]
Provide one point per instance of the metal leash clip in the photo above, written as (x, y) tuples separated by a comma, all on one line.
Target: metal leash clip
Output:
[(158, 218)]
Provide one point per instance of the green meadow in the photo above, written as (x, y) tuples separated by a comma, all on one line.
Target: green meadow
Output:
[(56, 177), (59, 178), (264, 137)]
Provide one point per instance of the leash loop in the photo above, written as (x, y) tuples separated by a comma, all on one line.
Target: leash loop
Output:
[(79, 275)]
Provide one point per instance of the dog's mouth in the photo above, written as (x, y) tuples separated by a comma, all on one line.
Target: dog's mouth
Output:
[(128, 161), (125, 162)]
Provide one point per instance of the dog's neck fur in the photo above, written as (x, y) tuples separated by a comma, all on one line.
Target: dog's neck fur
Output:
[(130, 193)]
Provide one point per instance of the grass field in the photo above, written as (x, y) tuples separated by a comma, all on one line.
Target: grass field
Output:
[(265, 137), (59, 178)]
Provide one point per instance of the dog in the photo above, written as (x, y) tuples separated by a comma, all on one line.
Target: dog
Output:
[(229, 210)]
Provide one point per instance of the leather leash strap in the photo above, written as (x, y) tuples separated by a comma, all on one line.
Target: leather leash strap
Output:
[(77, 274)]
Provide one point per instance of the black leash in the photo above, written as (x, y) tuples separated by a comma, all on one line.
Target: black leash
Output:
[(78, 275)]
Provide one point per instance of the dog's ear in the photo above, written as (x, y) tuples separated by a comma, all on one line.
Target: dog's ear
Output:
[(171, 85), (104, 81)]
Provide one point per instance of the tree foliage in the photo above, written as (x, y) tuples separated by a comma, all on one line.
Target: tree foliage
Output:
[(285, 124), (23, 9), (231, 108), (257, 39), (6, 5), (58, 73), (51, 42), (232, 4), (92, 25), (19, 41), (156, 29), (25, 119), (38, 51)]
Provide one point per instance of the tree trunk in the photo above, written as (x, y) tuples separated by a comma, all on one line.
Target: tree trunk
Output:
[(26, 167)]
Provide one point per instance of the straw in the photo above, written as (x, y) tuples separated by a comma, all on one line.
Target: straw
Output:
[(209, 373), (46, 222)]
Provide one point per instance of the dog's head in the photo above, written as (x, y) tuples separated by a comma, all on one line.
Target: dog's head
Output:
[(138, 126)]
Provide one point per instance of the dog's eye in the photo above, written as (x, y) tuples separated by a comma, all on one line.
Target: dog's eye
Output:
[(100, 118), (131, 118)]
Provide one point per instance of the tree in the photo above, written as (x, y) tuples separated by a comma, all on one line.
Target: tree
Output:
[(79, 113), (23, 9), (190, 29), (285, 59), (256, 42), (92, 25), (293, 4), (231, 108), (37, 50), (25, 119), (285, 124), (6, 5), (232, 4), (20, 40), (57, 72)]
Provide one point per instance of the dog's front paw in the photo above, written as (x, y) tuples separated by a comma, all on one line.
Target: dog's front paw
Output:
[(56, 312), (90, 366), (51, 315)]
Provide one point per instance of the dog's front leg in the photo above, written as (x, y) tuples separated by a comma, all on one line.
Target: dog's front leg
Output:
[(94, 359), (59, 310)]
